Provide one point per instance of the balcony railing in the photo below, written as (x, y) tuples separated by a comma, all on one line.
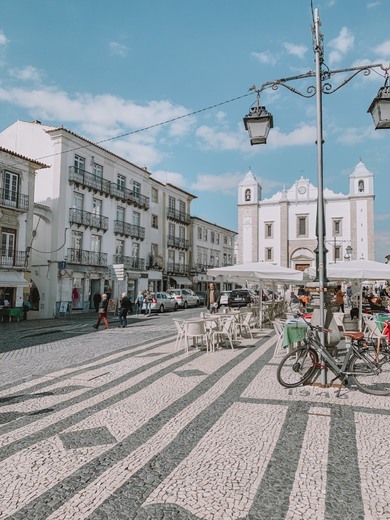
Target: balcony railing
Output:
[(80, 256), (13, 199), (130, 262), (177, 269), (155, 262), (95, 183), (178, 242), (129, 230), (85, 218), (178, 216), (15, 259)]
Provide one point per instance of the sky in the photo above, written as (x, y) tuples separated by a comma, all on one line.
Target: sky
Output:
[(166, 83)]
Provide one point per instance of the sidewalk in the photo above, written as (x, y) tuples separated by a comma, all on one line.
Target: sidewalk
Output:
[(143, 431)]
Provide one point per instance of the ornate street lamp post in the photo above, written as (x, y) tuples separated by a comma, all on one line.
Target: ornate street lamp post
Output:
[(259, 122)]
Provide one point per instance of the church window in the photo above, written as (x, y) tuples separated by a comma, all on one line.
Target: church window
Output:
[(361, 186), (268, 230), (301, 225), (268, 254), (247, 195)]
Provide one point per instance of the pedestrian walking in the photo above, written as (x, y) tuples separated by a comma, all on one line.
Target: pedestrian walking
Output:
[(149, 299), (212, 298), (97, 298), (139, 303), (102, 312), (124, 308)]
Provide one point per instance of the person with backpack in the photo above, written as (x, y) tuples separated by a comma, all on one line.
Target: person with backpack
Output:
[(124, 307)]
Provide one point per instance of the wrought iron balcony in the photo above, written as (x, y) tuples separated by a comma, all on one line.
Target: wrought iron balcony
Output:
[(178, 242), (99, 184), (173, 268), (89, 180), (130, 262), (80, 256), (178, 216), (85, 218), (14, 199), (155, 262), (129, 230), (13, 259)]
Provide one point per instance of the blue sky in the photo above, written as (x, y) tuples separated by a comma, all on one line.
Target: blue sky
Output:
[(105, 69)]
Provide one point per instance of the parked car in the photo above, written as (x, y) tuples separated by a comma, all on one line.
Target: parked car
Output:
[(225, 298), (162, 302), (202, 297), (185, 297), (242, 297)]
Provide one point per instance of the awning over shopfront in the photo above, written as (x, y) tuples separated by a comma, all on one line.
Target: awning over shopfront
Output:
[(181, 280), (13, 279)]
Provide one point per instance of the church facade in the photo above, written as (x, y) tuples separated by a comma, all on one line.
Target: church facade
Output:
[(282, 228)]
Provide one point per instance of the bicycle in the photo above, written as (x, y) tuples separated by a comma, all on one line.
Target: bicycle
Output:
[(365, 364)]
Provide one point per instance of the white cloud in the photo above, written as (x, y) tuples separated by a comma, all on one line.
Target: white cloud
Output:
[(383, 49), (304, 134), (295, 50), (118, 49), (29, 73), (371, 5), (213, 139), (3, 39), (357, 135), (342, 44), (165, 176), (266, 57), (227, 183)]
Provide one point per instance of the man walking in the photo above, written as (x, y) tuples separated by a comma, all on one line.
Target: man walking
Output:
[(124, 307)]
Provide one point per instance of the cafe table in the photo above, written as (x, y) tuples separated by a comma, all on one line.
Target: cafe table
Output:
[(294, 331)]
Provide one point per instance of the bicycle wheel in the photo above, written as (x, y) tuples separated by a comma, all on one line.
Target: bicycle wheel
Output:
[(366, 378), (297, 367)]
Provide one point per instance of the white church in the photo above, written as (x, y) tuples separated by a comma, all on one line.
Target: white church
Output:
[(282, 228)]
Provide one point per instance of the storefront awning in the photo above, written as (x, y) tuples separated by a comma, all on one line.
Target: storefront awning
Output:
[(13, 279), (181, 280)]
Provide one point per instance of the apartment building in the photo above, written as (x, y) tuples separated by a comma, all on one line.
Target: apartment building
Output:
[(17, 181), (211, 246), (100, 223)]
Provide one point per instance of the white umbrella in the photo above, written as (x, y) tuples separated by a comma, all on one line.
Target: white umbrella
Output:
[(359, 270), (258, 272)]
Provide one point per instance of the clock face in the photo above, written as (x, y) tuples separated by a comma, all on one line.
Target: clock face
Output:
[(301, 190)]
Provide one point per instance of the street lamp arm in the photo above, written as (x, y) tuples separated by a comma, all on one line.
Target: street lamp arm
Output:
[(327, 88)]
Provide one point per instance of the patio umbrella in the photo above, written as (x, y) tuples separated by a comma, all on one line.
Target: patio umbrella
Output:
[(258, 272), (359, 270)]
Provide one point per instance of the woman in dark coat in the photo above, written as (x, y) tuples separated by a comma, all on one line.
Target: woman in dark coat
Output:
[(102, 312)]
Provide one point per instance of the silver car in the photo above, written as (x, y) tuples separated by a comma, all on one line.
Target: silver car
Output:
[(162, 302), (184, 297)]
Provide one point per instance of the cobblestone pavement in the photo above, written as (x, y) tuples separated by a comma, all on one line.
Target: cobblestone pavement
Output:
[(118, 424)]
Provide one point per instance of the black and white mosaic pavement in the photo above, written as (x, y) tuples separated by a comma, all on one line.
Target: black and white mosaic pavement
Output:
[(142, 431)]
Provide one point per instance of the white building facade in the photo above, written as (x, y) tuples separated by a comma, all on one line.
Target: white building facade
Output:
[(95, 210), (17, 181), (211, 246), (282, 229)]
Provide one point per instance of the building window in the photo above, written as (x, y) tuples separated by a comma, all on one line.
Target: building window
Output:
[(155, 195), (79, 164), (217, 238), (302, 226), (119, 248), (96, 243), (171, 230), (337, 253), (97, 171), (120, 214), (97, 205), (268, 230), (136, 188), (171, 203), (199, 233), (361, 186), (337, 228), (205, 234), (268, 254), (78, 201), (8, 241), (121, 182), (225, 240), (154, 250), (182, 207), (136, 218), (182, 232), (11, 188), (212, 237), (247, 195), (155, 221)]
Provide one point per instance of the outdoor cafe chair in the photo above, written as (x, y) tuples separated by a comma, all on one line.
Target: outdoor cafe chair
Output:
[(226, 331), (279, 331), (179, 324), (244, 325), (196, 330)]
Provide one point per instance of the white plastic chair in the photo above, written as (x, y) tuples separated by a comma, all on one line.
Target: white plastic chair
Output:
[(226, 331), (279, 331), (180, 332), (196, 330), (245, 324)]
